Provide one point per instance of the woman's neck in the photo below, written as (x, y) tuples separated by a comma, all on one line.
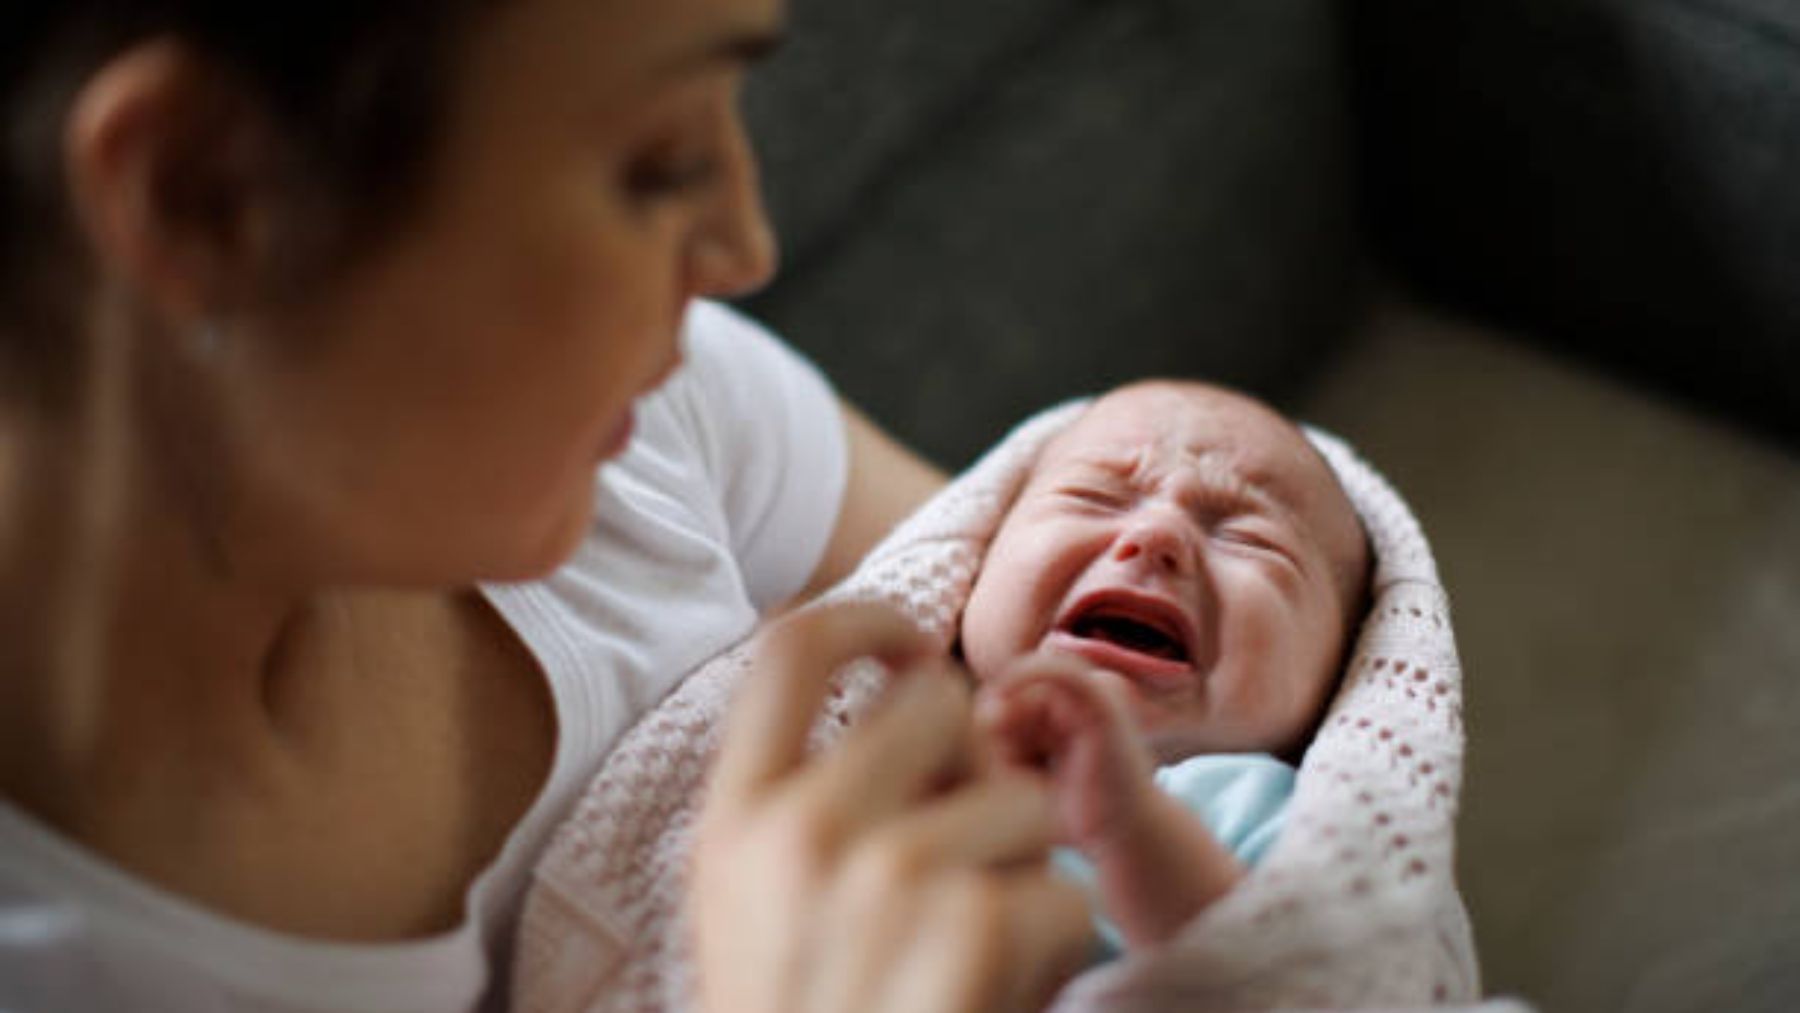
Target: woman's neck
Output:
[(131, 653)]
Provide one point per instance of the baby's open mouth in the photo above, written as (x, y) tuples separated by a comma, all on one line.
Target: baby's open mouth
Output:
[(1145, 637), (1134, 633)]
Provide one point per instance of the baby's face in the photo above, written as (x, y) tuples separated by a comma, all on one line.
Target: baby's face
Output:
[(1189, 544)]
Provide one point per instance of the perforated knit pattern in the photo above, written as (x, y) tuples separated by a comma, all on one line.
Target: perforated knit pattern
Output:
[(1355, 905)]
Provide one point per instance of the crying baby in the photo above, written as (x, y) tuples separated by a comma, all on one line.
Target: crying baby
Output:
[(1188, 571)]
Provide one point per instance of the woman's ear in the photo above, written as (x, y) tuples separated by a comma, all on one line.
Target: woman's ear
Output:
[(167, 170)]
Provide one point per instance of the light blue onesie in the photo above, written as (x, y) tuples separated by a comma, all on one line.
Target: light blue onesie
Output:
[(1241, 797)]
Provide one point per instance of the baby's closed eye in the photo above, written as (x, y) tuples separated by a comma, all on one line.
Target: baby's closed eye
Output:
[(1259, 537)]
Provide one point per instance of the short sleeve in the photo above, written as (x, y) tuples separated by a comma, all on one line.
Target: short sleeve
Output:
[(772, 437)]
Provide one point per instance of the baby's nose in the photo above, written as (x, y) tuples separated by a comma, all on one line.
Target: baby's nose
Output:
[(1158, 544)]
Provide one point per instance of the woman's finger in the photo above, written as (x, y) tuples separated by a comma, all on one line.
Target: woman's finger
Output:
[(988, 924), (997, 821), (1003, 942), (765, 734), (1014, 726), (1049, 933), (918, 736)]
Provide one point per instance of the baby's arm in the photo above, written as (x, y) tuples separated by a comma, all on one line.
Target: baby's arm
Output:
[(1156, 877), (1157, 864)]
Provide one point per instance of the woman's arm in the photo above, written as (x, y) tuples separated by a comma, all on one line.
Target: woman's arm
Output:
[(886, 482)]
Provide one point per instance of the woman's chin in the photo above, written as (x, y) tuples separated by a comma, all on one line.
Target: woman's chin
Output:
[(553, 543)]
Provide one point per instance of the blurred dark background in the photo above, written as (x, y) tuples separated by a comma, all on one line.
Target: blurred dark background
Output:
[(989, 206), (1539, 259)]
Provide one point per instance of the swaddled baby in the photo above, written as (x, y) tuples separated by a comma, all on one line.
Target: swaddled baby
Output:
[(1156, 621), (1189, 549)]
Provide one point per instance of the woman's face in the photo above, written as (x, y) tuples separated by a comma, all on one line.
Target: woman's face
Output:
[(438, 414)]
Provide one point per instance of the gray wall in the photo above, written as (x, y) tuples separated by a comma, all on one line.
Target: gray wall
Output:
[(991, 206), (1621, 177)]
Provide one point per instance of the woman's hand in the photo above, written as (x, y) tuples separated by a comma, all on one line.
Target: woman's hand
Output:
[(856, 880)]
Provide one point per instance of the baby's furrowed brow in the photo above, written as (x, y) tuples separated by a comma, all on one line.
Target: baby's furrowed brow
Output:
[(1219, 480), (1223, 489), (1222, 501), (1126, 465)]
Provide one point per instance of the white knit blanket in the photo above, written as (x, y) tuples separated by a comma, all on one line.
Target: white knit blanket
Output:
[(1354, 906)]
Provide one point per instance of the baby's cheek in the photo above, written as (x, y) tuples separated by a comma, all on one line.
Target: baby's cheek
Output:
[(1319, 640), (1285, 705), (998, 620), (982, 646)]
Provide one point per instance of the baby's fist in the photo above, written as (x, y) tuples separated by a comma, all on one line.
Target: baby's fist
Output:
[(1068, 722)]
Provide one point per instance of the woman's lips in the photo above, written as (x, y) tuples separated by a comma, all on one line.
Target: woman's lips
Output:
[(1157, 674)]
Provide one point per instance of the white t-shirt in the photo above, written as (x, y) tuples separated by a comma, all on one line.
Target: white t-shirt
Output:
[(720, 507)]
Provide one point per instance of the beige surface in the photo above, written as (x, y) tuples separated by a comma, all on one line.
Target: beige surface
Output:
[(1626, 585)]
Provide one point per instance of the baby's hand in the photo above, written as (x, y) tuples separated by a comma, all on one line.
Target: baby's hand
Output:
[(1068, 722)]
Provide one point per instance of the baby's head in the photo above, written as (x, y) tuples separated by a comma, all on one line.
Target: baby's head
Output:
[(1190, 542)]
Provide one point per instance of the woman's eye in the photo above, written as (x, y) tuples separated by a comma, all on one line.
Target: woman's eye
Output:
[(666, 176)]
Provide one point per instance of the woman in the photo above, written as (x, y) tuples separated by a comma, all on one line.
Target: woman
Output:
[(315, 318)]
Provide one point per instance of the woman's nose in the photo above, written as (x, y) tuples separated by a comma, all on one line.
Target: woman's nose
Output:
[(732, 251), (1157, 543)]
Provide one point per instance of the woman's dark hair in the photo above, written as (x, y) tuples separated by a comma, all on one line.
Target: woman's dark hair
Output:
[(355, 91)]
